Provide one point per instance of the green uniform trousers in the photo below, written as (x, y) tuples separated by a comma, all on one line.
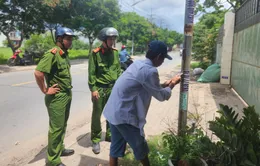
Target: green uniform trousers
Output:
[(98, 107), (58, 106)]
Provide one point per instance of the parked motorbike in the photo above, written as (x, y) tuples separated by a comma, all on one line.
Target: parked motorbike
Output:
[(28, 58), (125, 65)]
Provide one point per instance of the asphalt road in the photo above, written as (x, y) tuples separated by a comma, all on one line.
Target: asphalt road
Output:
[(23, 115)]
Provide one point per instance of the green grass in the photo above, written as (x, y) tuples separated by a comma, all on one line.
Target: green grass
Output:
[(78, 54), (158, 155), (5, 53), (204, 65), (194, 65)]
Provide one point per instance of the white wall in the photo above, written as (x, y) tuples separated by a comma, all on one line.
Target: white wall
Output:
[(227, 48), (2, 38)]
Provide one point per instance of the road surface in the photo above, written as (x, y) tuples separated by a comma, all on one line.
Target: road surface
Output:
[(23, 115)]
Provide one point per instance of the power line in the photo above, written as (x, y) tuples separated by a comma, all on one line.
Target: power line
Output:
[(122, 4), (140, 10), (126, 7), (156, 19)]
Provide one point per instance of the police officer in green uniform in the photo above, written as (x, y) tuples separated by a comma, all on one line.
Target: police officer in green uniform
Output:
[(54, 68), (104, 69)]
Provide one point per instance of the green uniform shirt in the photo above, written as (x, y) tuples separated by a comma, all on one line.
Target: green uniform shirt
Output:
[(56, 68), (104, 67)]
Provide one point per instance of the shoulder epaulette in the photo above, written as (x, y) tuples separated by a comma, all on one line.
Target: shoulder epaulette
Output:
[(54, 51), (97, 50), (61, 52)]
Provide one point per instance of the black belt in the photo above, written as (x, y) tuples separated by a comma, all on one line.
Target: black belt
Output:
[(104, 85), (65, 90)]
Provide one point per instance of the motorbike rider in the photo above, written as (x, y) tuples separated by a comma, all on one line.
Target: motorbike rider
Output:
[(16, 54), (125, 57), (15, 59), (104, 69)]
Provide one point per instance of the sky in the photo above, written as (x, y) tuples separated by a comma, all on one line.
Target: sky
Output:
[(165, 13)]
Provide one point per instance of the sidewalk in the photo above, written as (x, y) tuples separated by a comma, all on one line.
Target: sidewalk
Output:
[(6, 68), (204, 100)]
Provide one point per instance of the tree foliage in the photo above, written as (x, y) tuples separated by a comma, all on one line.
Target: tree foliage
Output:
[(202, 6), (90, 16), (205, 35), (24, 16), (39, 42), (86, 17), (132, 26), (79, 45), (169, 37), (57, 13), (207, 29)]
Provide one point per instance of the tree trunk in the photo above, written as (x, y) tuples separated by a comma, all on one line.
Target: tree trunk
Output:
[(11, 44), (183, 163), (91, 41), (20, 43), (90, 47), (54, 40)]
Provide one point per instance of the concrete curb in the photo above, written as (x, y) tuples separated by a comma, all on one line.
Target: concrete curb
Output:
[(6, 68)]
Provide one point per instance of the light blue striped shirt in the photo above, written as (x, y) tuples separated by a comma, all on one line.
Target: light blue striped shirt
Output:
[(131, 95)]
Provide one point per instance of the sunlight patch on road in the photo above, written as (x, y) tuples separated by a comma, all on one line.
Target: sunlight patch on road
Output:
[(30, 82), (77, 73), (23, 83)]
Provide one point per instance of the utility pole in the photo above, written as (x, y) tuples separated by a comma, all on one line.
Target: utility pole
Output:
[(185, 67), (151, 16), (133, 5), (132, 50), (151, 21), (161, 23), (132, 43), (120, 3)]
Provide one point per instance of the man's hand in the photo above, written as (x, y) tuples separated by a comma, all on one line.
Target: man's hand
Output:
[(95, 95), (175, 80), (166, 83), (39, 76), (52, 90)]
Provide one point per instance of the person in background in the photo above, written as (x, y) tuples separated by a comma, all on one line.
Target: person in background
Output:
[(124, 56)]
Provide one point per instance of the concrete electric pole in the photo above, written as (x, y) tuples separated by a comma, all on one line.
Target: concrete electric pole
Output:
[(185, 67)]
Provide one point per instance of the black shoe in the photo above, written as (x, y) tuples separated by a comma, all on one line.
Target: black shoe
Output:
[(61, 164), (96, 148), (67, 152)]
